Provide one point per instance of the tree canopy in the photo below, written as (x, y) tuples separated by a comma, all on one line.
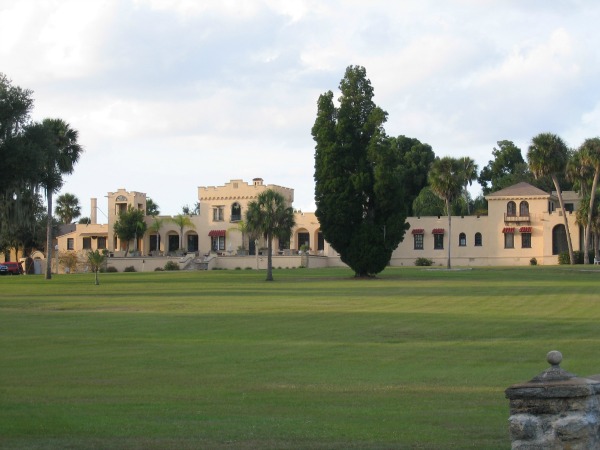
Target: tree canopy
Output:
[(447, 177), (130, 225), (548, 155), (270, 217), (67, 207), (365, 182)]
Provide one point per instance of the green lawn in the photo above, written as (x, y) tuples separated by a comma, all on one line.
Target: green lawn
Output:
[(414, 359)]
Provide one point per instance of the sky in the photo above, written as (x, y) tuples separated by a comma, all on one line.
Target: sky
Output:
[(169, 95)]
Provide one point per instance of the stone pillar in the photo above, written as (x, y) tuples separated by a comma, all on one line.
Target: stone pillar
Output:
[(555, 410)]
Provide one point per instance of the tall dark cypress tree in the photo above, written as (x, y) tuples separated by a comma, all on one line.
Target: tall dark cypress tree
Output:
[(360, 191)]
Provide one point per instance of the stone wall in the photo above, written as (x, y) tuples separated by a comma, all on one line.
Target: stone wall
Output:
[(555, 410)]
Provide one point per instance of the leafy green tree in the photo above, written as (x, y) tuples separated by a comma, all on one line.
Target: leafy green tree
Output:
[(186, 210), (548, 156), (590, 155), (183, 221), (415, 160), (61, 153), (152, 209), (67, 207), (446, 179), (507, 168), (361, 192), (269, 216), (130, 225), (96, 259), (18, 164), (428, 203)]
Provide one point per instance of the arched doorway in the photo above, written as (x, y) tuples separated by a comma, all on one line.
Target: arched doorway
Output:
[(559, 240)]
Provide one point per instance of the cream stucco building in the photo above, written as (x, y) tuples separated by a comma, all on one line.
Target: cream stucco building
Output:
[(523, 222)]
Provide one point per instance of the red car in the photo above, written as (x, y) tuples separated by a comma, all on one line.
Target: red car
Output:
[(11, 268)]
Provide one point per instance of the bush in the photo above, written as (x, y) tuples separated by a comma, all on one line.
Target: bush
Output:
[(129, 269), (563, 258), (159, 269), (533, 262), (421, 262), (171, 265), (111, 269)]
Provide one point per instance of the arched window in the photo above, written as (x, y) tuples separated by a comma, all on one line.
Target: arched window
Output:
[(236, 212), (478, 240), (462, 240), (511, 209), (524, 209)]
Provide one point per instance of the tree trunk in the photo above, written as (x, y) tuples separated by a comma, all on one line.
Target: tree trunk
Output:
[(449, 265), (588, 226), (566, 220), (96, 274), (49, 237), (269, 258)]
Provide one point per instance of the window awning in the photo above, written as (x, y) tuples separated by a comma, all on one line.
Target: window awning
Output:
[(418, 231), (438, 231), (508, 230), (214, 233), (525, 230)]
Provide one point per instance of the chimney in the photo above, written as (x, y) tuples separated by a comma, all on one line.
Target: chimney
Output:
[(94, 212)]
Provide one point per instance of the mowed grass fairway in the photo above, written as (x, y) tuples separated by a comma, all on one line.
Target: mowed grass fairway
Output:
[(314, 360)]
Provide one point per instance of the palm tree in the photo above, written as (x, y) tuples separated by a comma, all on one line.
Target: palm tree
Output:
[(155, 227), (61, 153), (269, 216), (96, 259), (468, 174), (67, 207), (590, 155), (548, 156), (242, 227), (152, 209), (446, 181), (182, 221)]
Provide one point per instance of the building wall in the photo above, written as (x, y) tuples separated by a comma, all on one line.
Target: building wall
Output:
[(543, 216)]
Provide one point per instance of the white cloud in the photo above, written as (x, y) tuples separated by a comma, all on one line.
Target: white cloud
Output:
[(172, 94)]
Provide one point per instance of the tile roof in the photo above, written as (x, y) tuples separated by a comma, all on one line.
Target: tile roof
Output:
[(522, 189)]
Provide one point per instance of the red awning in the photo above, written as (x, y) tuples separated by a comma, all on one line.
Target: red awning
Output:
[(213, 233), (418, 231), (508, 230), (525, 230), (438, 231)]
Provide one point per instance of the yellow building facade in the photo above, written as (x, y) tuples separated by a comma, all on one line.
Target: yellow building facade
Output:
[(523, 223)]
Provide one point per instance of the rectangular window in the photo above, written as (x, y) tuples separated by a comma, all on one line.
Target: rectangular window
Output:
[(525, 240), (218, 215), (509, 240), (438, 241), (218, 243), (101, 243), (87, 243), (70, 244), (418, 238)]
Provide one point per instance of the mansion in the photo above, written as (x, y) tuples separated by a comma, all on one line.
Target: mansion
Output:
[(523, 222)]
